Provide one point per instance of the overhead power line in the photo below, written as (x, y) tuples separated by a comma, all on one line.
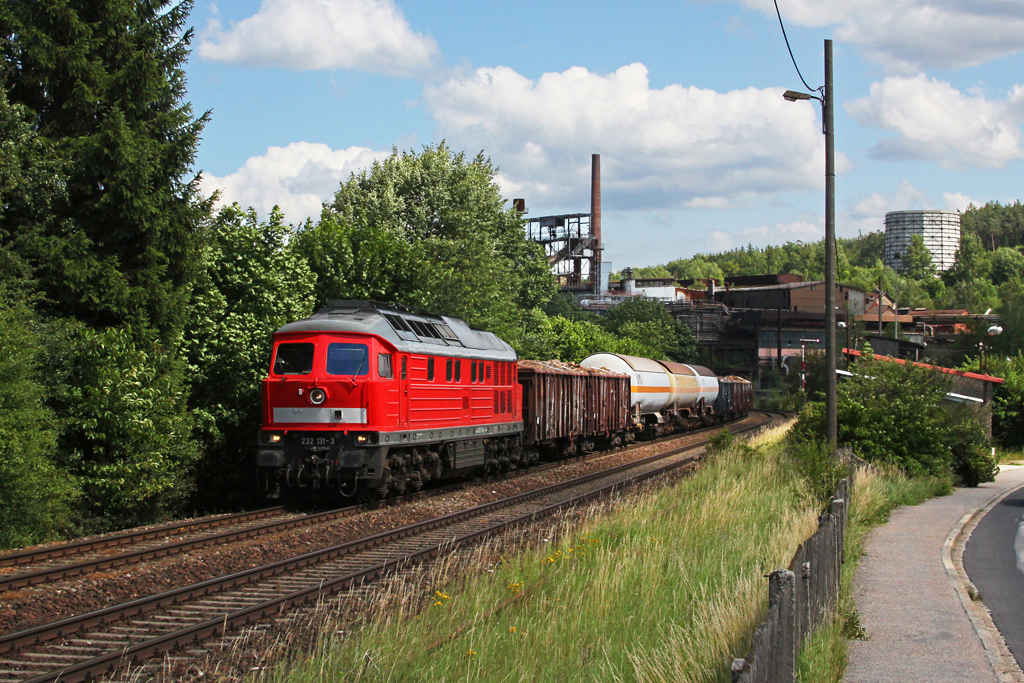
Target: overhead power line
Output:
[(786, 38)]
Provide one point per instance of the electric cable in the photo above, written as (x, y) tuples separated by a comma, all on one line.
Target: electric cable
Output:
[(786, 38)]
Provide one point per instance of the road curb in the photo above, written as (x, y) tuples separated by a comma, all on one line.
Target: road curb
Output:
[(998, 654)]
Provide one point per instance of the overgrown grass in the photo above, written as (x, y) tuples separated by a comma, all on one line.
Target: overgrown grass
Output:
[(1009, 457), (668, 587), (876, 492)]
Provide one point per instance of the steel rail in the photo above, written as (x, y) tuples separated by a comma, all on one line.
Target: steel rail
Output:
[(129, 537), (105, 662), (87, 566)]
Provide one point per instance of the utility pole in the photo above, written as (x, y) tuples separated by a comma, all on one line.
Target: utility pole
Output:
[(880, 294), (778, 335), (896, 302), (830, 253), (827, 121)]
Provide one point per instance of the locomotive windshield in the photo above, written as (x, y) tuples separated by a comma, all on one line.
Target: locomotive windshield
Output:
[(348, 359), (294, 359)]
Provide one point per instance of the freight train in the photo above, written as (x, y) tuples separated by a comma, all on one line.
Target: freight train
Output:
[(369, 399)]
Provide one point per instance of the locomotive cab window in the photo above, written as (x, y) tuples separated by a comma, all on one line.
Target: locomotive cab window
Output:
[(458, 370), (430, 369), (448, 370), (294, 359), (404, 373), (348, 359), (384, 366), (472, 372)]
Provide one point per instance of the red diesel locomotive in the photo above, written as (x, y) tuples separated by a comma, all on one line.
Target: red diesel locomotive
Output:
[(370, 399), (363, 397)]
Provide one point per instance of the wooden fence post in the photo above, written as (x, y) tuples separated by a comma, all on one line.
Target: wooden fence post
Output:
[(794, 609), (782, 592), (740, 671), (838, 510)]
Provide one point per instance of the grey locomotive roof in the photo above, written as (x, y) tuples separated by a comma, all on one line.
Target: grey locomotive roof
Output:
[(409, 332)]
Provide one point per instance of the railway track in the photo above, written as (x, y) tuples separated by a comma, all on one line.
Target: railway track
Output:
[(64, 561), (46, 565), (93, 644)]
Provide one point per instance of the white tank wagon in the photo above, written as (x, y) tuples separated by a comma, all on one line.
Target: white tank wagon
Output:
[(662, 392)]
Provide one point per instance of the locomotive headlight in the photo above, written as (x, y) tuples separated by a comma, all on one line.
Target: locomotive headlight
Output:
[(269, 437), (317, 396), (362, 438)]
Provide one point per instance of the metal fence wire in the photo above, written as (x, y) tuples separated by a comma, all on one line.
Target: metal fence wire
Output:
[(799, 597)]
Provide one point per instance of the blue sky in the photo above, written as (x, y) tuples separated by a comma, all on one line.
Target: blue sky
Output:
[(682, 100)]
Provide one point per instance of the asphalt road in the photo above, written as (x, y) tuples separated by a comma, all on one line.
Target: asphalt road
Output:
[(994, 560)]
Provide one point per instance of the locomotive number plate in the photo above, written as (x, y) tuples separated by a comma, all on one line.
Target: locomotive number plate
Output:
[(316, 441)]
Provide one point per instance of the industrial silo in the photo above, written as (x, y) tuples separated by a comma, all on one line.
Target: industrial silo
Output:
[(940, 230)]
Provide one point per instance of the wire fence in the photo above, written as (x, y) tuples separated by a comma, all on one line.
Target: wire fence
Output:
[(800, 597)]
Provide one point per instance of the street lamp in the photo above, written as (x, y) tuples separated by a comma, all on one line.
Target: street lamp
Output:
[(803, 362), (992, 331), (895, 300), (793, 96), (843, 326), (830, 240)]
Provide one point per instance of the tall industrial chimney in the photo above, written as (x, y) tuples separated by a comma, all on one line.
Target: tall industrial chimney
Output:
[(595, 220)]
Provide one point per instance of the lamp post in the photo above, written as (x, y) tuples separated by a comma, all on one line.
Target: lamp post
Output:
[(843, 325), (896, 300), (830, 240), (992, 331), (803, 362)]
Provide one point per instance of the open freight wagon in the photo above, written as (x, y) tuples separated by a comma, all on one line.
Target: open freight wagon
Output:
[(569, 409)]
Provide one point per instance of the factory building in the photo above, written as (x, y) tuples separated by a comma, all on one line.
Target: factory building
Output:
[(939, 229)]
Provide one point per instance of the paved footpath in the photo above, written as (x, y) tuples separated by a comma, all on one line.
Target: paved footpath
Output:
[(917, 626)]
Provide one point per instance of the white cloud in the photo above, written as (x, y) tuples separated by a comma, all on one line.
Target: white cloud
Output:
[(907, 35), (298, 178), (660, 148), (708, 203), (367, 35), (771, 233), (957, 201), (937, 122), (868, 213)]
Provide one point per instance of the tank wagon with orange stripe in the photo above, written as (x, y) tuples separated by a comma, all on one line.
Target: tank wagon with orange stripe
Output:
[(664, 396), (370, 399)]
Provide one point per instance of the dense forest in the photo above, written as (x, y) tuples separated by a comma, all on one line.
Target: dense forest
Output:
[(136, 317)]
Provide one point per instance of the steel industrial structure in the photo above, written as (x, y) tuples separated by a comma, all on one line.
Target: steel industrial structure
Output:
[(940, 230), (572, 241)]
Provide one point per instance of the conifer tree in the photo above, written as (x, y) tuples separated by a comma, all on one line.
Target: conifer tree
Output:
[(112, 243), (104, 83)]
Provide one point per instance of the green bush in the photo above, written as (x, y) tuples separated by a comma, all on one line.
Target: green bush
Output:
[(817, 467), (37, 498), (894, 413), (1008, 405), (722, 441), (127, 433)]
